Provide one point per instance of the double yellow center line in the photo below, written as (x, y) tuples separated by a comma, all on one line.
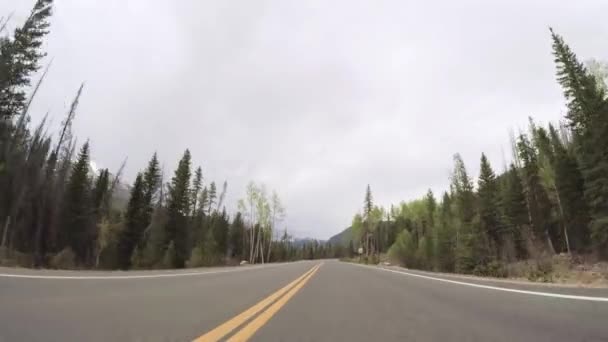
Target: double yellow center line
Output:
[(278, 299)]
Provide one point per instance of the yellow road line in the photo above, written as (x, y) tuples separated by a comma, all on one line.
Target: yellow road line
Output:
[(225, 328), (251, 328)]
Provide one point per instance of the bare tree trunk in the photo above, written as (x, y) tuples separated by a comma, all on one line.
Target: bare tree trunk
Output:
[(68, 120), (262, 250), (561, 212), (549, 243), (257, 247), (97, 255), (7, 225), (269, 246), (39, 236), (251, 243), (252, 235), (5, 21)]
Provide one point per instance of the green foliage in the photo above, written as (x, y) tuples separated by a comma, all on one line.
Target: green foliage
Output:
[(424, 254), (237, 236), (553, 198), (150, 187), (588, 117), (170, 257), (137, 259), (369, 202), (53, 211), (404, 250), (65, 259), (569, 187), (101, 191), (212, 195), (539, 206), (155, 237), (19, 58), (196, 258), (178, 206), (219, 229), (514, 210), (489, 213), (494, 269), (77, 229), (197, 184), (106, 251), (135, 223), (542, 271)]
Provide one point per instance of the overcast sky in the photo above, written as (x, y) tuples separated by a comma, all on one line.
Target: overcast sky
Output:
[(316, 99)]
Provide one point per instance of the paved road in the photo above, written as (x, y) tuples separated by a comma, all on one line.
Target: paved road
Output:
[(291, 302)]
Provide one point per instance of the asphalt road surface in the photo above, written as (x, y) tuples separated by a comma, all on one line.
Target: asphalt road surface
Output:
[(302, 301)]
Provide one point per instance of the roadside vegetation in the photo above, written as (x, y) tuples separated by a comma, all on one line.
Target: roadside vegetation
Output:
[(548, 207), (58, 211)]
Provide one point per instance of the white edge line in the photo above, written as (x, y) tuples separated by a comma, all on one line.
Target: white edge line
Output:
[(535, 293), (143, 276)]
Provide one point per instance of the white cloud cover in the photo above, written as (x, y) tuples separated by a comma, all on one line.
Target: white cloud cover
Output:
[(316, 99)]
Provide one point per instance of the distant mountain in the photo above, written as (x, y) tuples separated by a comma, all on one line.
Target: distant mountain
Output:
[(342, 238)]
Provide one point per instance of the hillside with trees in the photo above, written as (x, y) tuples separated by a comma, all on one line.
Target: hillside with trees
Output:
[(55, 211), (551, 199)]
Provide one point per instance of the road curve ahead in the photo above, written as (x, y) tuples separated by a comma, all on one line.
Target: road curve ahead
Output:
[(302, 301)]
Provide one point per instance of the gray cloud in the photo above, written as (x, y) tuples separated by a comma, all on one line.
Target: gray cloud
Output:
[(316, 99)]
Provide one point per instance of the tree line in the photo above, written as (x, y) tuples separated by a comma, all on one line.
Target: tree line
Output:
[(56, 211), (552, 198)]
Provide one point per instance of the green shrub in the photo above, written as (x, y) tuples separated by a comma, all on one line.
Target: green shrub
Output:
[(543, 270), (66, 259), (403, 250), (196, 258), (494, 269), (12, 258), (169, 257)]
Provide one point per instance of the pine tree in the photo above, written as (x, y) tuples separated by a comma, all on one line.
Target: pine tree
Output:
[(170, 257), (155, 238), (538, 204), (488, 206), (76, 218), (467, 234), (100, 190), (546, 171), (368, 203), (19, 58), (569, 182), (134, 223), (212, 195), (444, 246), (178, 206), (588, 118), (219, 227), (203, 201), (431, 206), (463, 191), (151, 183), (368, 206), (209, 248), (404, 250), (237, 235), (514, 210), (197, 184)]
